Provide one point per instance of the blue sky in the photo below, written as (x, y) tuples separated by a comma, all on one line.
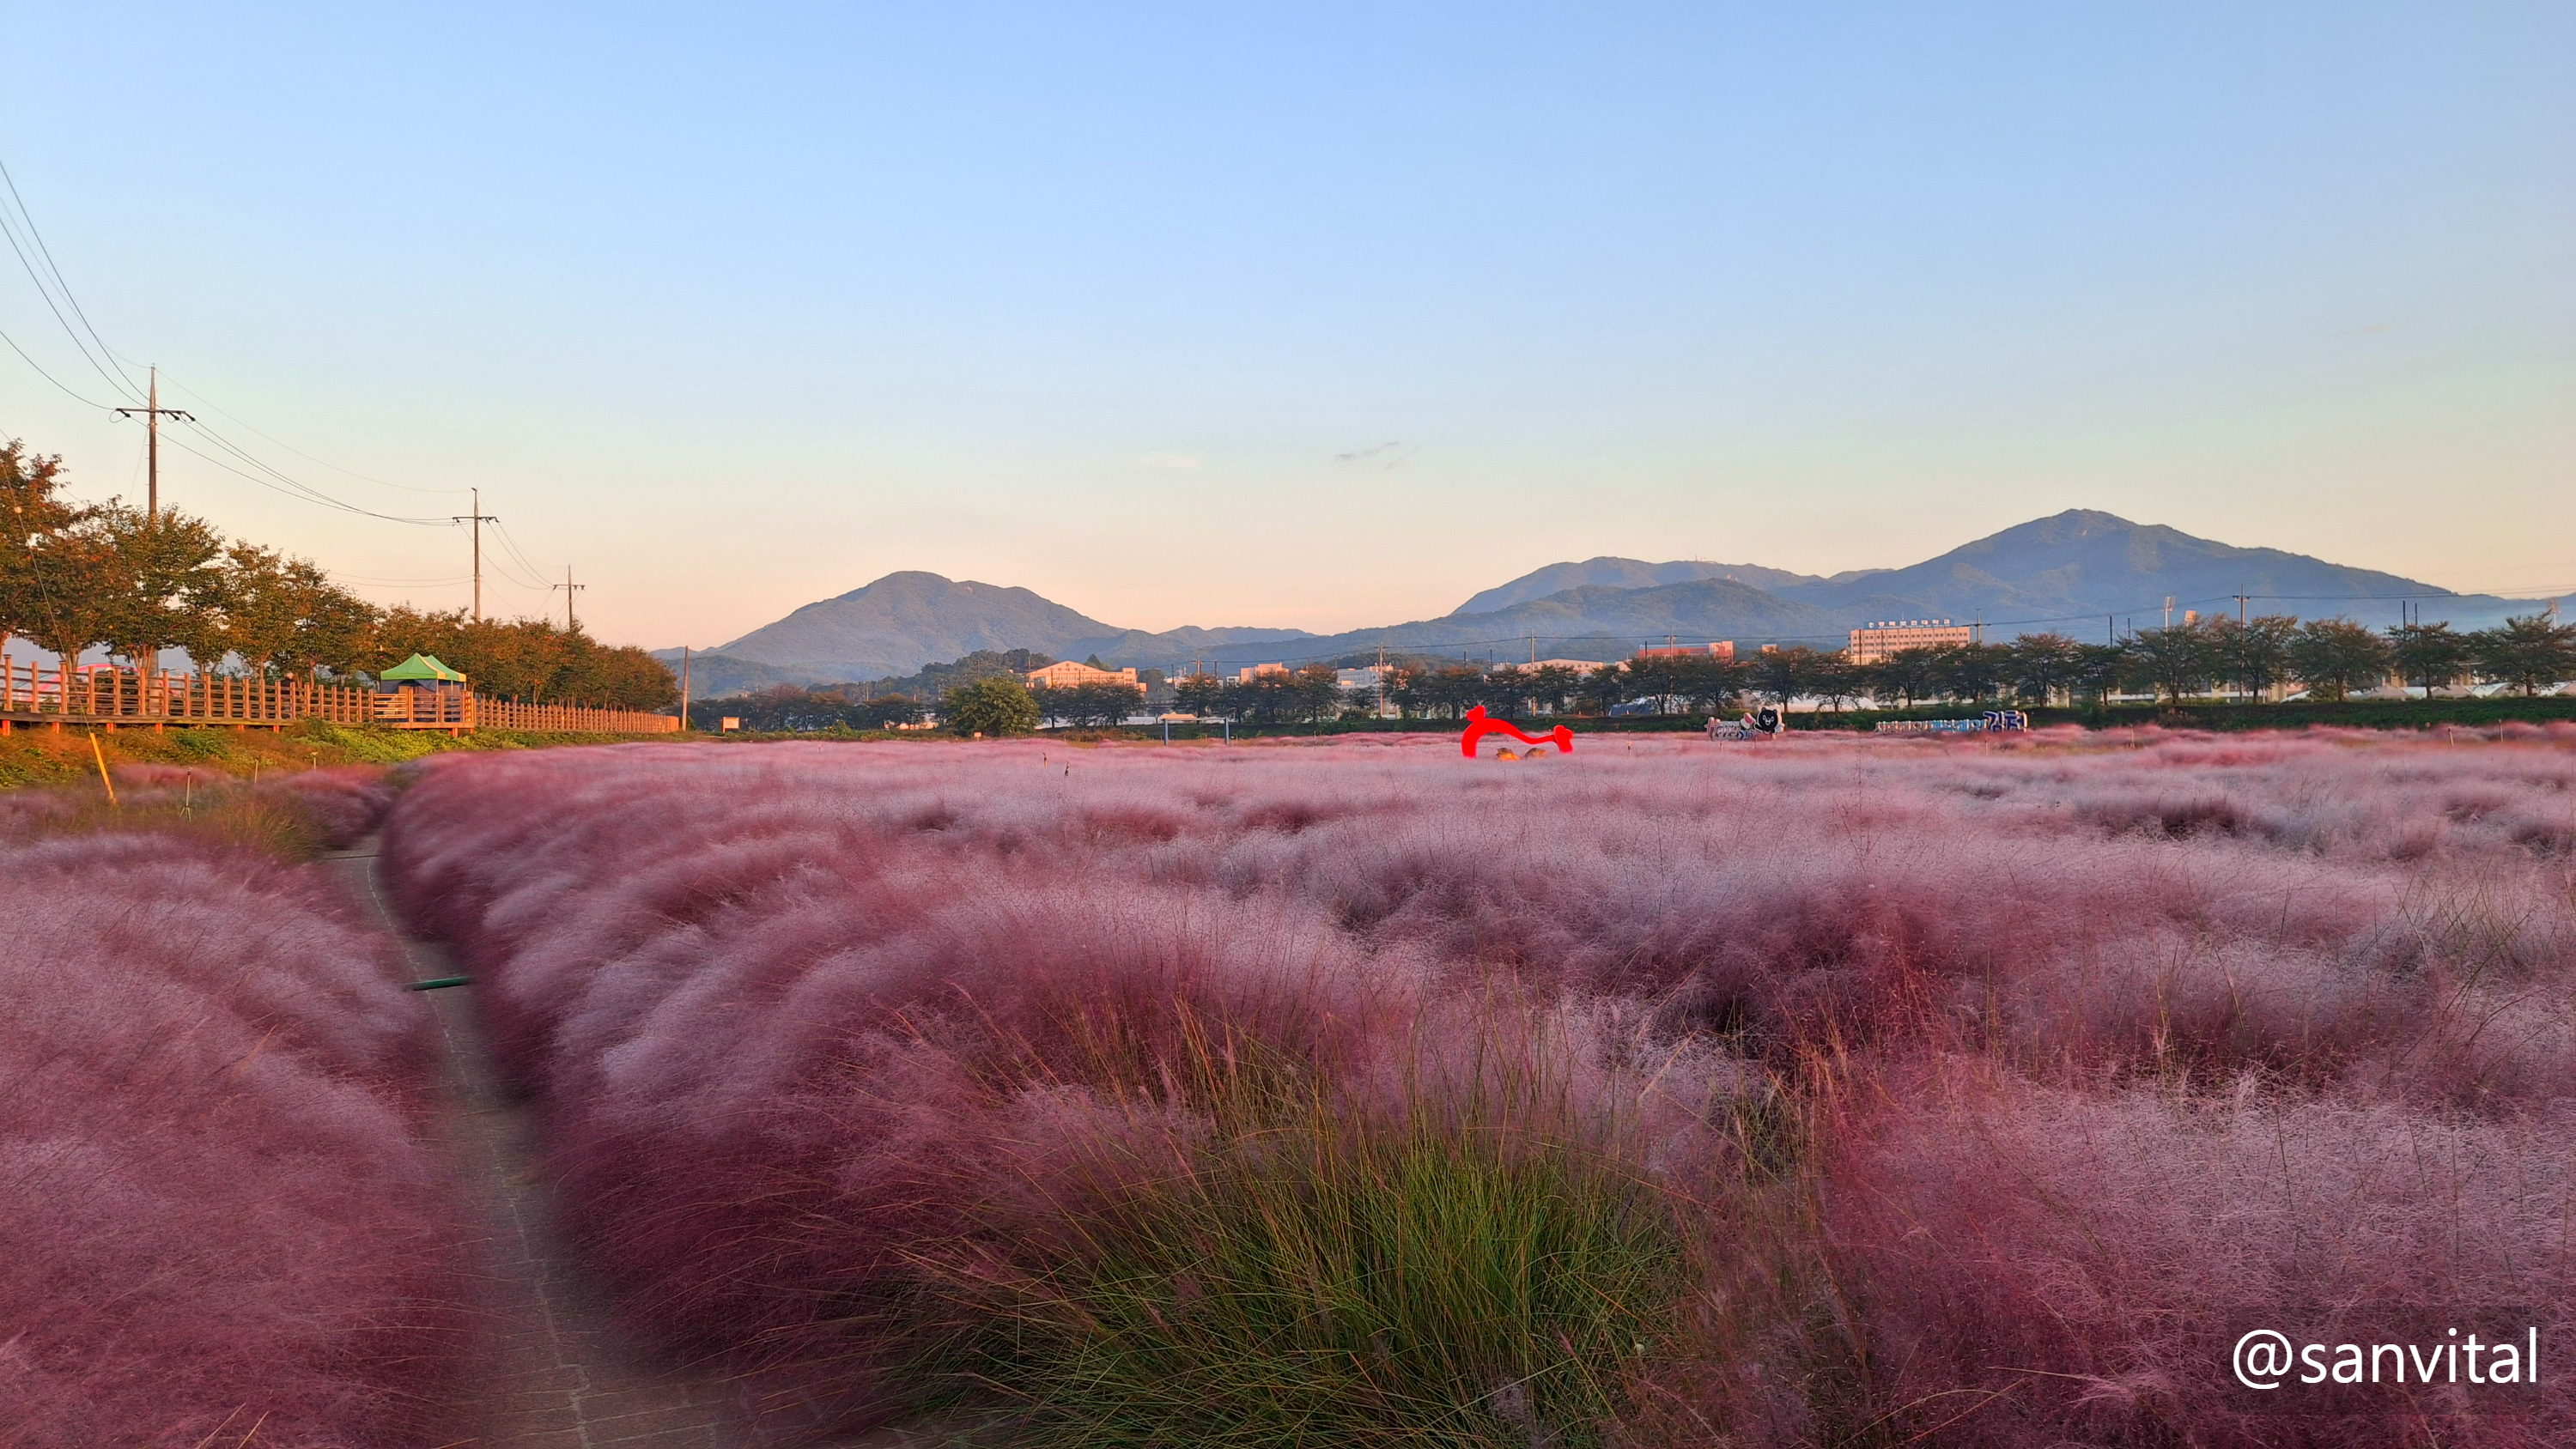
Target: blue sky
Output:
[(1310, 315)]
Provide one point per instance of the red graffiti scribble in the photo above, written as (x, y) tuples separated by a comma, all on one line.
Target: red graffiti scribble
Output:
[(1478, 727)]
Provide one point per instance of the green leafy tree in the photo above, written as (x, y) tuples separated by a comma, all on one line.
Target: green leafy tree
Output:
[(1315, 694), (165, 584), (1836, 680), (1781, 675), (2430, 655), (1551, 685), (285, 614), (53, 566), (1094, 706), (2254, 654), (2100, 669), (1907, 675), (2177, 661), (992, 707), (2529, 653), (1603, 688), (2040, 667), (1199, 694), (2335, 656)]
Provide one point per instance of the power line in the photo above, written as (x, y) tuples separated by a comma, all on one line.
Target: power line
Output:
[(283, 481), (305, 494), (49, 377), (29, 218), (299, 452)]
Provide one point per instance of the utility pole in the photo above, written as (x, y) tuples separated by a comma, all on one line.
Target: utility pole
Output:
[(479, 518), (2168, 611), (684, 686), (153, 413), (2241, 600), (571, 625)]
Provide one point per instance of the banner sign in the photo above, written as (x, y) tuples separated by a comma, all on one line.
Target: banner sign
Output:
[(1995, 720)]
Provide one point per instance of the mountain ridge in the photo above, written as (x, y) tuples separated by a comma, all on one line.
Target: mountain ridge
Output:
[(2081, 571)]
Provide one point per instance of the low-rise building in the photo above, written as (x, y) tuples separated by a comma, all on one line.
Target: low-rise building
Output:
[(1720, 649), (1069, 675), (1258, 670), (1871, 643)]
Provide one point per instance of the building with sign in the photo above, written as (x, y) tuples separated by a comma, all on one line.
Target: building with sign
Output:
[(1871, 643)]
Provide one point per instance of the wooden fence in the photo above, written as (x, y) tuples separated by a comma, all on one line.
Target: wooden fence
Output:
[(102, 695)]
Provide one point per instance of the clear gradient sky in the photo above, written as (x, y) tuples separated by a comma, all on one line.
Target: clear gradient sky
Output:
[(1310, 315)]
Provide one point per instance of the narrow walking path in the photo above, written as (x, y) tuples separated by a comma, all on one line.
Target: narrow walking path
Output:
[(553, 1375), (554, 1372)]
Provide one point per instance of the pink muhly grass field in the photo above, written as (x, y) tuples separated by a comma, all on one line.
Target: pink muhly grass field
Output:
[(219, 1222), (1962, 1049)]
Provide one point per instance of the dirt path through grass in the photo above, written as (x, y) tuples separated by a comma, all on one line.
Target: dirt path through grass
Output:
[(556, 1375)]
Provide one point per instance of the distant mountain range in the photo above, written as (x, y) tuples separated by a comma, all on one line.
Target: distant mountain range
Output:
[(2081, 572)]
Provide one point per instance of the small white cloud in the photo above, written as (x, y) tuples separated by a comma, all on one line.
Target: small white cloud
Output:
[(1170, 460), (1362, 454)]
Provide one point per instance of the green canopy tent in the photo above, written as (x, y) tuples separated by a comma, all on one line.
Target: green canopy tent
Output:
[(421, 669)]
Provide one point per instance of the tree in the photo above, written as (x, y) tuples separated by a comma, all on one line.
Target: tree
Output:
[(2431, 655), (2175, 660), (994, 707), (285, 614), (1551, 685), (2100, 669), (53, 565), (2334, 655), (2529, 653), (1781, 675), (165, 585), (2040, 666), (1314, 694), (1908, 674), (1199, 694), (2254, 653), (1095, 706), (1836, 680), (1972, 671), (1603, 687)]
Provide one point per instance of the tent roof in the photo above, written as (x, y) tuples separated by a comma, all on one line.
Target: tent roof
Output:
[(423, 666)]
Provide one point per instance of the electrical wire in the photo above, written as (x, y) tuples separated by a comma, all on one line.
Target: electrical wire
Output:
[(276, 479), (305, 495), (521, 555), (290, 447), (49, 377), (28, 218)]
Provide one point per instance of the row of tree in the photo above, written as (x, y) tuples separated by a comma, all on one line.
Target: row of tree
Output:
[(2256, 659), (76, 576)]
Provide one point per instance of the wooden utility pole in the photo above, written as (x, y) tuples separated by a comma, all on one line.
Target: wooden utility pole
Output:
[(571, 625), (153, 412), (684, 687), (479, 518)]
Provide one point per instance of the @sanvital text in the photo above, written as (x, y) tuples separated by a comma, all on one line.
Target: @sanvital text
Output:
[(2350, 1360)]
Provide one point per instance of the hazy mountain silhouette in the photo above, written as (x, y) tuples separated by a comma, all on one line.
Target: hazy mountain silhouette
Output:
[(2063, 573), (906, 620), (1623, 573)]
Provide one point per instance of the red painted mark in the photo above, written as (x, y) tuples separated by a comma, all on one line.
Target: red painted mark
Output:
[(1478, 727)]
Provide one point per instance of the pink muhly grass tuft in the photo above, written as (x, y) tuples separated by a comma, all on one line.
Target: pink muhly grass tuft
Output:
[(218, 1219), (806, 1019), (2078, 1255)]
